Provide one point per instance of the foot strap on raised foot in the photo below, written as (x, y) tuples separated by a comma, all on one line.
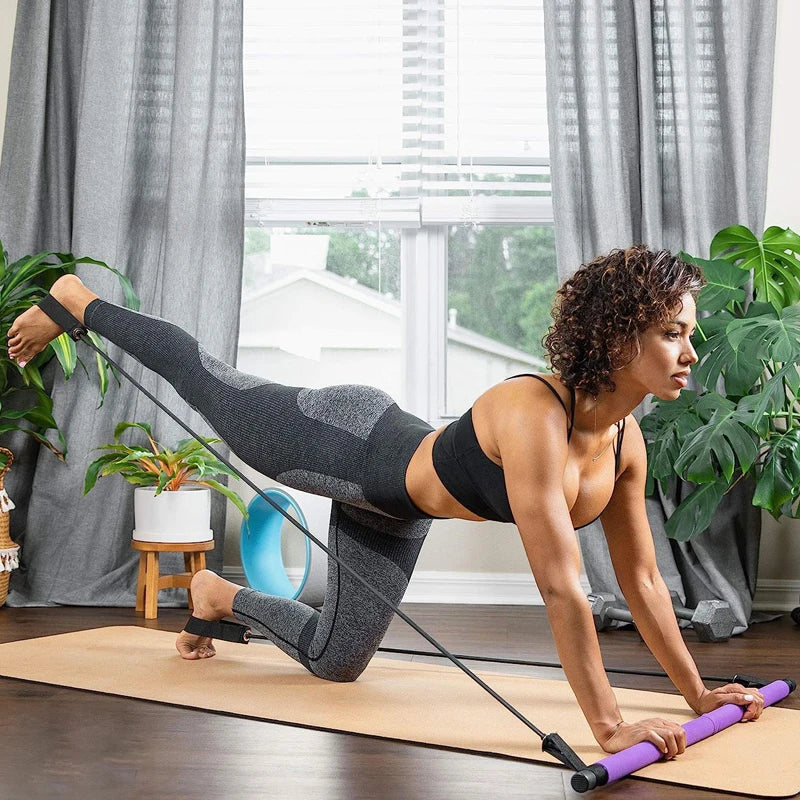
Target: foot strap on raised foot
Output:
[(63, 318), (225, 630)]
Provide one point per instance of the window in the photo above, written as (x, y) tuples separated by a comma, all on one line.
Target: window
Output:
[(397, 171), (321, 306)]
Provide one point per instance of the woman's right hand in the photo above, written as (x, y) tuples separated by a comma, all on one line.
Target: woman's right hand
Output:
[(667, 736)]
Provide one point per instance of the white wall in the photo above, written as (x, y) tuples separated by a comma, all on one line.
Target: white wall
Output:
[(8, 14), (780, 547)]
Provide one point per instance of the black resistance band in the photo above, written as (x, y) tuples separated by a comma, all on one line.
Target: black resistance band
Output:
[(552, 743)]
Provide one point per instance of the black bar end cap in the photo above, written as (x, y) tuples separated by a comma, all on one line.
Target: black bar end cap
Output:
[(593, 776)]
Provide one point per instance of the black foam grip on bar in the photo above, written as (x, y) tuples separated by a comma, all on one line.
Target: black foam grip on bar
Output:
[(69, 324), (225, 630)]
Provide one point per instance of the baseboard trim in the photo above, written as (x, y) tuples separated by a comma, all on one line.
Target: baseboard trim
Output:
[(519, 589), (470, 588), (776, 595)]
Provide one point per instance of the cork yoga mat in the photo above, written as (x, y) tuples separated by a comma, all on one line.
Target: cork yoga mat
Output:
[(407, 701)]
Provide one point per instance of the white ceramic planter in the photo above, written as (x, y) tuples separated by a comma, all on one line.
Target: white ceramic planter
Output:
[(182, 516)]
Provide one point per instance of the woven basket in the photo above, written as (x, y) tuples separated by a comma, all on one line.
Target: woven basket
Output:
[(8, 550)]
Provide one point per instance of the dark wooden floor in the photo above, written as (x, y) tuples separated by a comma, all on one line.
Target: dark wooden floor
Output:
[(62, 743)]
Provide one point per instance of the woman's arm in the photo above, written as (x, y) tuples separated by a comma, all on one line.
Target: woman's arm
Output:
[(533, 448), (630, 544)]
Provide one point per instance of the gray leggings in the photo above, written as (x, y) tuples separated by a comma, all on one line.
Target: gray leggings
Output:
[(349, 443)]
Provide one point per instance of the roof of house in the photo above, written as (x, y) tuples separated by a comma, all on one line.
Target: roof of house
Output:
[(386, 303)]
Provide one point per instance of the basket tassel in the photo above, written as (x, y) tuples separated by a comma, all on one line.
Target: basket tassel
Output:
[(6, 503), (9, 559)]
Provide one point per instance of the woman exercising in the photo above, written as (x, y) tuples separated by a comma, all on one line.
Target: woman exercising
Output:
[(548, 452)]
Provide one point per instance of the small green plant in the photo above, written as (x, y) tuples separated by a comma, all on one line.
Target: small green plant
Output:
[(745, 421), (189, 463), (24, 283)]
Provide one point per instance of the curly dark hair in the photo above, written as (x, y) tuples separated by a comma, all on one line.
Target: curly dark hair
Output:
[(601, 311)]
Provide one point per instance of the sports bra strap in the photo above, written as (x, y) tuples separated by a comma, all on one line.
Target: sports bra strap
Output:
[(620, 434), (570, 413)]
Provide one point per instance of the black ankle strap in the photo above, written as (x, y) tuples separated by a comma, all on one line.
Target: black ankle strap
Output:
[(62, 318), (225, 630)]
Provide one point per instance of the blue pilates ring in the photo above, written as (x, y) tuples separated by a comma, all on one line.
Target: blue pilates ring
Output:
[(262, 559)]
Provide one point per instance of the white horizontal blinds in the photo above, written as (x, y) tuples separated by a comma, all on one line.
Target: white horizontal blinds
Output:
[(476, 100), (398, 110), (323, 98)]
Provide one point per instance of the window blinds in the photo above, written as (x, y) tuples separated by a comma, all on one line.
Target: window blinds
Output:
[(403, 110)]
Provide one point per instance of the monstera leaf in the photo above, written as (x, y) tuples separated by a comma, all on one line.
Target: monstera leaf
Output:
[(718, 446), (780, 475), (665, 433), (776, 336), (724, 283), (740, 368), (772, 261), (695, 513)]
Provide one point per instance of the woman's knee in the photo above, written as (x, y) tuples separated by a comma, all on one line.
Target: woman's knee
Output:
[(340, 671)]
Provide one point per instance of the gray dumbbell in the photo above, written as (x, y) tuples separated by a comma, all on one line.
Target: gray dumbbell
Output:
[(607, 609), (712, 620)]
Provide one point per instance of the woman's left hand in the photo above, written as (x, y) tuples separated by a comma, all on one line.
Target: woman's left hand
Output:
[(732, 693)]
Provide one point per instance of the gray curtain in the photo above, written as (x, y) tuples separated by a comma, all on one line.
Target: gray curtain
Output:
[(659, 115), (124, 141)]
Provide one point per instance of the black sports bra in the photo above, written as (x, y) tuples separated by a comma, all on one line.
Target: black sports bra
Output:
[(473, 478)]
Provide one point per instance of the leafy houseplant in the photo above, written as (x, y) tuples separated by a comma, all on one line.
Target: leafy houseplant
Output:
[(23, 283), (188, 464), (745, 420)]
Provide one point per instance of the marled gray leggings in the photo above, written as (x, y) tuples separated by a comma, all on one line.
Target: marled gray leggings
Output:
[(349, 443)]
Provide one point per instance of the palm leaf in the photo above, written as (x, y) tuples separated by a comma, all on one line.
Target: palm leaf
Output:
[(23, 270), (66, 353), (42, 440), (93, 471)]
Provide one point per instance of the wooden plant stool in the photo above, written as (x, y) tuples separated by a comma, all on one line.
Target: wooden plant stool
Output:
[(150, 583)]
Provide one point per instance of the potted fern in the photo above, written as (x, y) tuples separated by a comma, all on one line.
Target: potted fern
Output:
[(744, 421), (172, 499)]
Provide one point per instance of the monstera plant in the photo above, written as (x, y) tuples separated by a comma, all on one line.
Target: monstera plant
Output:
[(25, 404), (745, 419)]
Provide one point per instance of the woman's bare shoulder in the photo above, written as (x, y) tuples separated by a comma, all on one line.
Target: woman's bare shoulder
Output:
[(521, 406), (527, 393)]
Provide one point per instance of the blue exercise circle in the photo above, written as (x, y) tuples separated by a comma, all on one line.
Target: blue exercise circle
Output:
[(260, 539)]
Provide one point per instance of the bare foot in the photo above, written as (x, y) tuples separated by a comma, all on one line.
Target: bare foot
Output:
[(212, 597), (32, 330)]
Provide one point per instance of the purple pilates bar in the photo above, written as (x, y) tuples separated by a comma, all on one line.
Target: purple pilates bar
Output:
[(640, 755)]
